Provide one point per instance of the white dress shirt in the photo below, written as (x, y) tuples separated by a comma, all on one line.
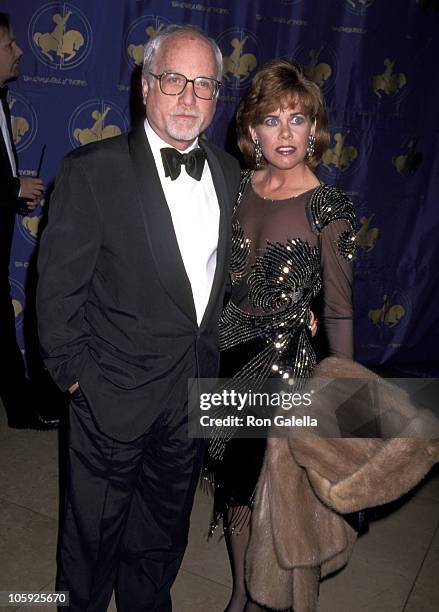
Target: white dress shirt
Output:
[(7, 139), (195, 215)]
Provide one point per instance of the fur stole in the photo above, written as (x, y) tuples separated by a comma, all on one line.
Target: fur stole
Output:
[(307, 483)]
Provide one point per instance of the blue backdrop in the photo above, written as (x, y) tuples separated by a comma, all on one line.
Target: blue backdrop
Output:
[(376, 62)]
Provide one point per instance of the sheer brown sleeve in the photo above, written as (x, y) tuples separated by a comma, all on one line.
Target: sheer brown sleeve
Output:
[(337, 274)]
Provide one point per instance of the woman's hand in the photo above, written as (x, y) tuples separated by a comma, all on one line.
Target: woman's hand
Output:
[(313, 323), (73, 387)]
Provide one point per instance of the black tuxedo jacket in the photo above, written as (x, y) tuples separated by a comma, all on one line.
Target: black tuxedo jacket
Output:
[(114, 302), (9, 201), (10, 185)]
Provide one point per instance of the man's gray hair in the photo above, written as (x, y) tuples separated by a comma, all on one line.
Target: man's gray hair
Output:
[(154, 44)]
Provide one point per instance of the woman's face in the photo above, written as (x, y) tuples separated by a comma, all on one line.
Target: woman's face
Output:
[(283, 136)]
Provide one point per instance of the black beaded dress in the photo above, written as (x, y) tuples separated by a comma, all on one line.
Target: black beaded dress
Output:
[(289, 257)]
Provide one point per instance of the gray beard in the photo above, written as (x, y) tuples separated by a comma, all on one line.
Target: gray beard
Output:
[(181, 133)]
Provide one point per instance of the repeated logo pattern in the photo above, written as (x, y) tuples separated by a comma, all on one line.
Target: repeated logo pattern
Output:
[(96, 120), (242, 53), (343, 156), (18, 301), (138, 33), (60, 35), (367, 236), (319, 64), (410, 161), (389, 314), (388, 82), (28, 226), (24, 121), (359, 7), (367, 60)]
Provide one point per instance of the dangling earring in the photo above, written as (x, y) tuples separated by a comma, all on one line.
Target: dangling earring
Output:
[(311, 146), (258, 154)]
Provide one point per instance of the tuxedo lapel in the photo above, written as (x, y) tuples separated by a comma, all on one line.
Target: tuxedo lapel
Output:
[(7, 113), (4, 152), (223, 251), (158, 224)]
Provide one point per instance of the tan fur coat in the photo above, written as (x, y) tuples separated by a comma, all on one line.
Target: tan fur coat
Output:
[(298, 532)]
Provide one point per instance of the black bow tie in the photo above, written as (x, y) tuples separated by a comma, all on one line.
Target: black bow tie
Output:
[(193, 161)]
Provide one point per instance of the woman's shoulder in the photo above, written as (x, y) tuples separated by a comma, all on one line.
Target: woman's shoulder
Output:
[(246, 176), (328, 203)]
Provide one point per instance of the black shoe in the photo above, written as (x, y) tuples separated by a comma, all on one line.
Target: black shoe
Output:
[(32, 421)]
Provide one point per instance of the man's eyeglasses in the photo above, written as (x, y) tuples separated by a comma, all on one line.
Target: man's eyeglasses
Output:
[(173, 84)]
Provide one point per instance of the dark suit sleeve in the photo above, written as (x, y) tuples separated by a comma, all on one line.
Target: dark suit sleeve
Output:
[(68, 254), (10, 188), (9, 184)]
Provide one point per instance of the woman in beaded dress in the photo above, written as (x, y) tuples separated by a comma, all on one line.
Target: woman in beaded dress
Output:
[(291, 256)]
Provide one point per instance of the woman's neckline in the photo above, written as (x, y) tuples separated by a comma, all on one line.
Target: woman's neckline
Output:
[(293, 197)]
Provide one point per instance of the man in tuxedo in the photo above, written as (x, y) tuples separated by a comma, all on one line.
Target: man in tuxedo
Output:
[(132, 265), (17, 194)]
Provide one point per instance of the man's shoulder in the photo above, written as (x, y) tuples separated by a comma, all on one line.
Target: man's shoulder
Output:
[(225, 159), (216, 150), (94, 151)]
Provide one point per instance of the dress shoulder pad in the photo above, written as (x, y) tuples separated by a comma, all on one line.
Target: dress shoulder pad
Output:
[(246, 176), (329, 203)]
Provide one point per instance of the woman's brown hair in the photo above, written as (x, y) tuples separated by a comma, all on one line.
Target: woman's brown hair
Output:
[(278, 83)]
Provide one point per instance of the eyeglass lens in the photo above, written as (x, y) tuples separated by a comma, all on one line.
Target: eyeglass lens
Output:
[(173, 84)]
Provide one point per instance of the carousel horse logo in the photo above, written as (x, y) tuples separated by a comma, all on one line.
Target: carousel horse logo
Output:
[(388, 82), (389, 314), (60, 35), (316, 71), (319, 65), (241, 53), (139, 32), (239, 64), (409, 162), (367, 236), (96, 120), (359, 7), (18, 300), (340, 155), (20, 125), (23, 119), (29, 225), (18, 307)]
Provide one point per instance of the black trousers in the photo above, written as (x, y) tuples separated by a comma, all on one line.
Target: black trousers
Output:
[(127, 512), (12, 376)]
